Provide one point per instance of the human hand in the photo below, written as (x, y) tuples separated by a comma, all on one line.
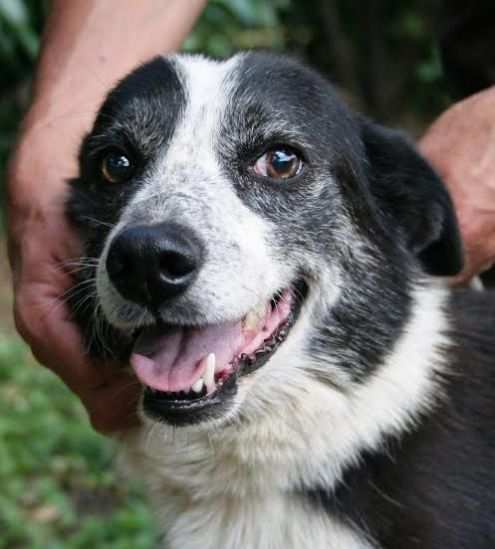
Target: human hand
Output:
[(460, 145), (81, 58), (41, 247)]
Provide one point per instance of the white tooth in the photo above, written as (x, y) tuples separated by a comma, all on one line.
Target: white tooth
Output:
[(209, 375), (198, 385)]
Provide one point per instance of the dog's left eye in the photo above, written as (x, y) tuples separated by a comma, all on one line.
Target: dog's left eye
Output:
[(116, 167), (279, 163)]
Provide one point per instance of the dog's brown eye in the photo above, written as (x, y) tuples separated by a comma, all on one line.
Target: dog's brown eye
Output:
[(116, 167), (279, 163)]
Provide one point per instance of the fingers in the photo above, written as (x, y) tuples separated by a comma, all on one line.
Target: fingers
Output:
[(54, 339), (40, 312), (108, 393), (41, 243)]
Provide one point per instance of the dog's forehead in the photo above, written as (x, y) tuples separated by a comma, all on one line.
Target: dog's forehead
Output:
[(242, 96), (256, 98), (249, 95), (265, 91), (208, 87), (205, 81)]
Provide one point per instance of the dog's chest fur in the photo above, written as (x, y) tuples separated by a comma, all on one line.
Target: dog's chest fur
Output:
[(269, 523), (205, 501)]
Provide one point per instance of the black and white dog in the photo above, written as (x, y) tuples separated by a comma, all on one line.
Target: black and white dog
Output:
[(273, 268)]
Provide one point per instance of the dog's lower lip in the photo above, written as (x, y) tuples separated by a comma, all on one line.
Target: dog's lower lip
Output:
[(184, 400), (183, 412)]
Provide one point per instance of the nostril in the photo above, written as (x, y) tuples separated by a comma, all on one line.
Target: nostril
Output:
[(175, 265)]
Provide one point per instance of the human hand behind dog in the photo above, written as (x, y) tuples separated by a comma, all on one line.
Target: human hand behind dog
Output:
[(41, 248), (82, 58), (460, 145)]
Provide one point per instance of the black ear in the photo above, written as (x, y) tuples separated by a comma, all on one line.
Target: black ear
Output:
[(415, 199)]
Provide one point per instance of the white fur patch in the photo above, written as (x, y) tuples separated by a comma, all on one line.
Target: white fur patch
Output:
[(217, 519), (269, 523)]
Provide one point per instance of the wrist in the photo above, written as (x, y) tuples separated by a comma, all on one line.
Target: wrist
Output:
[(87, 45)]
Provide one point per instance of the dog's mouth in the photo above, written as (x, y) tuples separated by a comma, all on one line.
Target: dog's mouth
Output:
[(189, 370)]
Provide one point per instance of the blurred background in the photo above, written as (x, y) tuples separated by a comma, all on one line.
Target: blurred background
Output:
[(58, 488)]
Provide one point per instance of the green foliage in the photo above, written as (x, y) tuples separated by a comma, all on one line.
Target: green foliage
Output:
[(19, 35), (20, 29), (231, 25), (59, 486)]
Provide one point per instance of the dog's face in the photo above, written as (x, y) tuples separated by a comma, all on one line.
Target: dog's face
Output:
[(246, 231)]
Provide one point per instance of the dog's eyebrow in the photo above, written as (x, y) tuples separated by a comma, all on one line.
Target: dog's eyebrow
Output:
[(268, 130), (142, 109), (96, 144)]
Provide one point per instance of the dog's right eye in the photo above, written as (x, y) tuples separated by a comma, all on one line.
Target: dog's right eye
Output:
[(116, 167)]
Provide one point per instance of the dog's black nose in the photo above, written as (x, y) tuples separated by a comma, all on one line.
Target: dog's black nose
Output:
[(150, 264)]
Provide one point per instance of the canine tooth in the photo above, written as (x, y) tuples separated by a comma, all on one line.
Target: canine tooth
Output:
[(198, 385), (209, 375)]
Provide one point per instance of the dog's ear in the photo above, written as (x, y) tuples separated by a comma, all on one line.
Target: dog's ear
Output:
[(414, 198)]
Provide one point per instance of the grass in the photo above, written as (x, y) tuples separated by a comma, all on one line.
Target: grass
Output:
[(58, 486)]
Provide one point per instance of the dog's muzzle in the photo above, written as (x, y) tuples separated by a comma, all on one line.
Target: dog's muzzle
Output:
[(190, 373)]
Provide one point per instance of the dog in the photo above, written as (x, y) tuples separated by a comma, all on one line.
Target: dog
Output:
[(274, 268)]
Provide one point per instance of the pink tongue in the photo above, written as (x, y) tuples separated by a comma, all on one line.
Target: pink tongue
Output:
[(173, 361)]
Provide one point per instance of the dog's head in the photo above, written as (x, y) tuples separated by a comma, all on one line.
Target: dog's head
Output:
[(243, 226)]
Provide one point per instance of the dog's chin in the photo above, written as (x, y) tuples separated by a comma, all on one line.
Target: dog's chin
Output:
[(190, 374)]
